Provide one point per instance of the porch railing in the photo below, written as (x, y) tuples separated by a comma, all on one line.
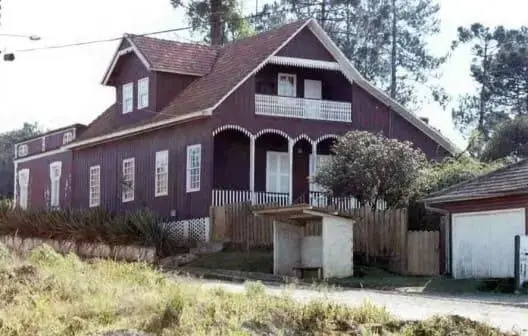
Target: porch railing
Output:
[(322, 199), (228, 196), (303, 108)]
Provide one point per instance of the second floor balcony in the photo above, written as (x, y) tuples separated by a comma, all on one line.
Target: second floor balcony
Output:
[(303, 108)]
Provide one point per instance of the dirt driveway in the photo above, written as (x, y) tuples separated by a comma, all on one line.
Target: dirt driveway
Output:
[(409, 307)]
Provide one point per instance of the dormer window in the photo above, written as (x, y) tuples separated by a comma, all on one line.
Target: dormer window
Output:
[(67, 138), (287, 85), (143, 93), (128, 97), (22, 150)]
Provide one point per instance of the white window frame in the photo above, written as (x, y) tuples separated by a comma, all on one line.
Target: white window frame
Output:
[(280, 90), (161, 174), (127, 91), (128, 180), (55, 176), (274, 186), (23, 185), (314, 168), (143, 93), (22, 150), (94, 186), (67, 137), (194, 170)]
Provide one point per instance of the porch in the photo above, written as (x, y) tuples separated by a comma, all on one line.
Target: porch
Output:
[(271, 168)]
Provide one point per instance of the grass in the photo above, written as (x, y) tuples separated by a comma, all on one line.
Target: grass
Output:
[(49, 294)]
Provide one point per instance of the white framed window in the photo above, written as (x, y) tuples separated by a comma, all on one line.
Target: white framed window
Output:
[(194, 163), (67, 137), (95, 186), (23, 187), (322, 159), (287, 85), (55, 175), (143, 93), (161, 177), (128, 97), (22, 150), (129, 179), (277, 172)]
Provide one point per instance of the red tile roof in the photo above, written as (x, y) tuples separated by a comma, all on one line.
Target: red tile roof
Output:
[(222, 68), (172, 56)]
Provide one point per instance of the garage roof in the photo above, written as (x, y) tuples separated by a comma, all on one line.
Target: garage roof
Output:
[(512, 179)]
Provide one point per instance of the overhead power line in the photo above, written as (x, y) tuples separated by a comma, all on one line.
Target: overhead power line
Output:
[(83, 43), (75, 44)]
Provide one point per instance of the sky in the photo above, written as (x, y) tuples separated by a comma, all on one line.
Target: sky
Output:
[(58, 87)]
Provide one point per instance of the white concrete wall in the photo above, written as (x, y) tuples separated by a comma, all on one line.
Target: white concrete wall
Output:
[(337, 247), (312, 251), (286, 248)]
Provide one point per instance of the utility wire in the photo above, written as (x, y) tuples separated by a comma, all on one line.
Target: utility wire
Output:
[(76, 44)]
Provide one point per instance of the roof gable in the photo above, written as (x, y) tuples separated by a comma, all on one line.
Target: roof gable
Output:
[(231, 65), (507, 180), (306, 45)]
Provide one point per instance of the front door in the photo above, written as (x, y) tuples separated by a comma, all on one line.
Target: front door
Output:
[(313, 89)]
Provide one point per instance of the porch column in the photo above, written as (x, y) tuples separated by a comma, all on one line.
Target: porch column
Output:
[(290, 156), (252, 168), (314, 164)]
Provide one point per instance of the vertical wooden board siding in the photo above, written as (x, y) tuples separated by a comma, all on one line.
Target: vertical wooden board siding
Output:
[(368, 113), (423, 253), (175, 139), (306, 45), (39, 180)]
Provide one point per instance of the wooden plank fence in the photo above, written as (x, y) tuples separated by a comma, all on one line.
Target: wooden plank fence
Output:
[(380, 237), (423, 252)]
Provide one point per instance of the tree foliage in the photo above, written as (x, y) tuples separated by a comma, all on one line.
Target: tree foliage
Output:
[(372, 167), (198, 14), (7, 143), (500, 70), (437, 176), (385, 39), (510, 138)]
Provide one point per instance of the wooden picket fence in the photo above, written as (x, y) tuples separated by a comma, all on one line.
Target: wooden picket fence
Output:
[(380, 237), (423, 252)]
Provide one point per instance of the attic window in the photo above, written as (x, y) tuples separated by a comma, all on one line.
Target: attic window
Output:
[(22, 150), (67, 138), (143, 93), (128, 97)]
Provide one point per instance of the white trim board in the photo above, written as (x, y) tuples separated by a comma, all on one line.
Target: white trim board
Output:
[(304, 62), (41, 155)]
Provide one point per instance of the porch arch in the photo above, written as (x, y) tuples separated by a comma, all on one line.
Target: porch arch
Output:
[(303, 136), (232, 127), (273, 131), (326, 136)]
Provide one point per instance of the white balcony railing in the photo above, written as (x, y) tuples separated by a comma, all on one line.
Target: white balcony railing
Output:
[(323, 200), (303, 108)]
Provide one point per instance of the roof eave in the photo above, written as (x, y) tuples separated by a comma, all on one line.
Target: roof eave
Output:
[(139, 129), (120, 52), (441, 200)]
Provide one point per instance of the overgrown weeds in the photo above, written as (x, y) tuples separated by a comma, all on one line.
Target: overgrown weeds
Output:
[(141, 227), (50, 294)]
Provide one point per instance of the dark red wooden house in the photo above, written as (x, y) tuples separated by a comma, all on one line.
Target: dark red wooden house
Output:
[(194, 126)]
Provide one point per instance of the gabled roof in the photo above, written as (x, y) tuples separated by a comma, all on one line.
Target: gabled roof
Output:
[(512, 179), (229, 67)]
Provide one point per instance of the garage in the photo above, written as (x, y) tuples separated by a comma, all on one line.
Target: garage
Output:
[(483, 243), (482, 217)]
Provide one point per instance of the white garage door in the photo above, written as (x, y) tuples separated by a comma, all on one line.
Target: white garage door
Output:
[(483, 243)]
